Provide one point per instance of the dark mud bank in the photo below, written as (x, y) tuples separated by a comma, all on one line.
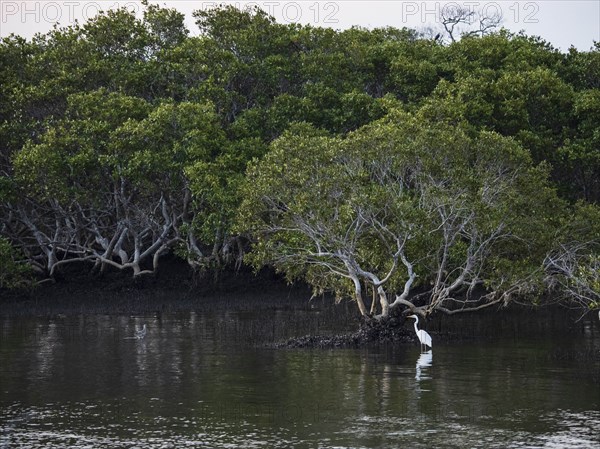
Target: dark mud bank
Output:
[(371, 331), (520, 324), (276, 314), (175, 289)]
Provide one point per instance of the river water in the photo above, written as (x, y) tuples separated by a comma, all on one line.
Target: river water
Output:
[(204, 379)]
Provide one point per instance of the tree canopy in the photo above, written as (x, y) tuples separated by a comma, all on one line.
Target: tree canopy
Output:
[(436, 174), (403, 204)]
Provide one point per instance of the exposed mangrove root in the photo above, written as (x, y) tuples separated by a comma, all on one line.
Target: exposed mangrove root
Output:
[(371, 331)]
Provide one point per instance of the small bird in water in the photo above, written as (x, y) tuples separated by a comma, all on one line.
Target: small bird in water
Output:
[(423, 336), (141, 333)]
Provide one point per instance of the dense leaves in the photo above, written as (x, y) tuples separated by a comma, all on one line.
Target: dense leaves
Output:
[(127, 138), (399, 204), (15, 273)]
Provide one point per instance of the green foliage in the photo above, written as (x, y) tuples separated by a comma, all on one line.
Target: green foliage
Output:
[(15, 273), (315, 198), (166, 26), (102, 123), (71, 156), (502, 52), (582, 69), (580, 153), (588, 273)]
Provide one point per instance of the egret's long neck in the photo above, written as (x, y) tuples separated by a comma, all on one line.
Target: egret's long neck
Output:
[(416, 321)]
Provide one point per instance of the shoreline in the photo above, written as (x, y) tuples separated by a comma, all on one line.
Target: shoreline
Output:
[(118, 292), (265, 294)]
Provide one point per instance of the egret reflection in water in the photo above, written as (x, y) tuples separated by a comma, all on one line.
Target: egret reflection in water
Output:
[(141, 333), (198, 380), (423, 362)]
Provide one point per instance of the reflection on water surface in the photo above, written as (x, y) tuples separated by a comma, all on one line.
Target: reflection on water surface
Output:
[(202, 379)]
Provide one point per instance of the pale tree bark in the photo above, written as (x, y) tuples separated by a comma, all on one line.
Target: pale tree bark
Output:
[(122, 234), (574, 270), (338, 254), (457, 19)]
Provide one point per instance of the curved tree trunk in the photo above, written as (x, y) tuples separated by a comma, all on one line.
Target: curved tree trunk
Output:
[(358, 296), (385, 305)]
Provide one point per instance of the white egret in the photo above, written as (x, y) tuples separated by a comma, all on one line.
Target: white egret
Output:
[(423, 336), (141, 333)]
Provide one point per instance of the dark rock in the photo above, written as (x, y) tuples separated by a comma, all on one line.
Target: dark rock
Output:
[(371, 331)]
